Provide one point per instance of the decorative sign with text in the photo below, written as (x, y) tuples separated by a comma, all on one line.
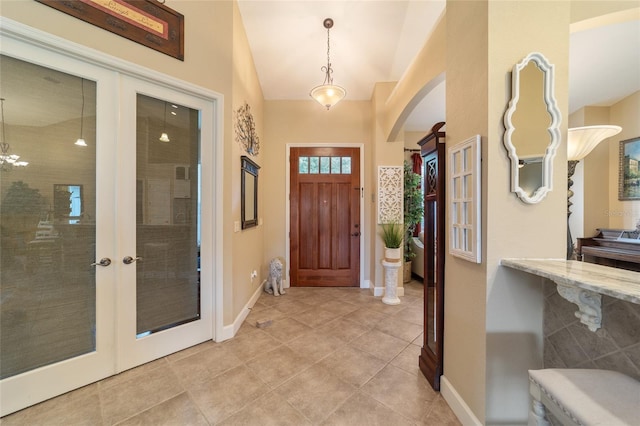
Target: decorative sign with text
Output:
[(147, 22)]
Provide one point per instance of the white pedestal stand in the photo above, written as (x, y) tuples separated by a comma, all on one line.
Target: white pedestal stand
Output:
[(391, 282)]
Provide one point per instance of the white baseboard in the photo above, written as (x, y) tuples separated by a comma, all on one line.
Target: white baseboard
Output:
[(379, 291), (457, 404), (228, 331), (366, 284)]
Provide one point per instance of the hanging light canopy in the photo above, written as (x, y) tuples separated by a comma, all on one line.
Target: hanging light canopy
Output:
[(164, 137), (328, 94), (80, 141), (7, 160), (582, 140)]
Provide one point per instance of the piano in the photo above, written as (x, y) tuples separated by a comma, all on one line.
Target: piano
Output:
[(619, 248)]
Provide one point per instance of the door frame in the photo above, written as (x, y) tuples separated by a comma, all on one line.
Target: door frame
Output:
[(41, 48), (287, 227)]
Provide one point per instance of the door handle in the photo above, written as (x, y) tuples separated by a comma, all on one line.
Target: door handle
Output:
[(128, 260), (105, 261), (355, 234)]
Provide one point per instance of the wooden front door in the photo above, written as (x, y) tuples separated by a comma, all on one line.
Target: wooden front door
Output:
[(325, 217)]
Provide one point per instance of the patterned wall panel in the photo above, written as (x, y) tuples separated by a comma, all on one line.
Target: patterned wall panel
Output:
[(390, 194)]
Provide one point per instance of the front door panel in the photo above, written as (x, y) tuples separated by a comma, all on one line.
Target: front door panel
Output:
[(325, 217)]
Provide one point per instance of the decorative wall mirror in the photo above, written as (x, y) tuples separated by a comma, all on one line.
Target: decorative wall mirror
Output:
[(532, 123), (249, 194)]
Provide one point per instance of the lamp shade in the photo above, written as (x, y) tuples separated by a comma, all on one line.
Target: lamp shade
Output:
[(582, 140), (328, 94)]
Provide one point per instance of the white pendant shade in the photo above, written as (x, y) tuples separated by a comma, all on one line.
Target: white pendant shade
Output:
[(328, 94), (164, 137), (80, 142), (582, 140)]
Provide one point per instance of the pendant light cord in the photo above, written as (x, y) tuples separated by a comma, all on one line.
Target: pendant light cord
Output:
[(3, 136), (327, 78), (82, 111)]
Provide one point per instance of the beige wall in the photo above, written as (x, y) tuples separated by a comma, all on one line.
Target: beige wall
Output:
[(248, 245), (384, 154), (307, 122), (425, 73), (599, 177), (484, 41), (623, 214)]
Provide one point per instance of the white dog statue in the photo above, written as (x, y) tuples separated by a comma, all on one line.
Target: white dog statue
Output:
[(273, 283)]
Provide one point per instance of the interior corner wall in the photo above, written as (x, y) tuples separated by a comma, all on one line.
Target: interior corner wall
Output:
[(493, 316), (384, 154), (465, 283), (307, 122), (248, 244)]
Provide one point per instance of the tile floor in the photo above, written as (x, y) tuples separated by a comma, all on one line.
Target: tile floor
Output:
[(332, 356)]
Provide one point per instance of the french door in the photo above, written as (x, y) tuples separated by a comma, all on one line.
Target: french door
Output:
[(104, 228)]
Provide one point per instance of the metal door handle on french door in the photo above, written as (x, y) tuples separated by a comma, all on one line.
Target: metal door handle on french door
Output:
[(355, 234), (128, 260), (105, 261)]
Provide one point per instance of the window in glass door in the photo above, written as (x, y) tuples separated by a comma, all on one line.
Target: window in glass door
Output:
[(168, 216), (47, 286)]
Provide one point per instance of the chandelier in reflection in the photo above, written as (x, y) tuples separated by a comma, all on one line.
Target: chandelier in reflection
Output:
[(8, 160), (327, 94)]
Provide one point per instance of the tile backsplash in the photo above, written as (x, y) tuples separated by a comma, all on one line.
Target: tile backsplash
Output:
[(570, 344)]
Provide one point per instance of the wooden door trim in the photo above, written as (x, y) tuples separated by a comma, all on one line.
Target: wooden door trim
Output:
[(287, 229)]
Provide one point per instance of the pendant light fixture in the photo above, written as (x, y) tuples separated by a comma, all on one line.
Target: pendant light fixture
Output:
[(81, 141), (327, 94), (164, 137), (7, 160)]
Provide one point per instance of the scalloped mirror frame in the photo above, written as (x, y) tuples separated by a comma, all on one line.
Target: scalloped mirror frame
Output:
[(554, 128)]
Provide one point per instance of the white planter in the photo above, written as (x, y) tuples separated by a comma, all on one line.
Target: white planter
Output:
[(392, 254), (391, 282)]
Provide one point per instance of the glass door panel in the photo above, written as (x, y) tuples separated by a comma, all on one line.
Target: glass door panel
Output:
[(47, 215), (165, 305), (167, 234), (56, 218)]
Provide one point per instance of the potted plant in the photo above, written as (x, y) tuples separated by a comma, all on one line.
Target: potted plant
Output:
[(413, 212), (392, 236)]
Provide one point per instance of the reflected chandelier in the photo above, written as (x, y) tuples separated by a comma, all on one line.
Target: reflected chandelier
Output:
[(7, 160), (327, 94)]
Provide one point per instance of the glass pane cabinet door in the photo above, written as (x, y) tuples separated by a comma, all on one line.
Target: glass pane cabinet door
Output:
[(167, 215), (47, 217)]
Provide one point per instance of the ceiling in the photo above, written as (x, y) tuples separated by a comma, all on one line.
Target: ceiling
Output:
[(375, 41)]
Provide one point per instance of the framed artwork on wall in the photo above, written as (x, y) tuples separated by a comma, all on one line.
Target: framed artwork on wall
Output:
[(629, 170)]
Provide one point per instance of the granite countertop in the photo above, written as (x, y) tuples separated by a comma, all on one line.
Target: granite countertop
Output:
[(614, 282)]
